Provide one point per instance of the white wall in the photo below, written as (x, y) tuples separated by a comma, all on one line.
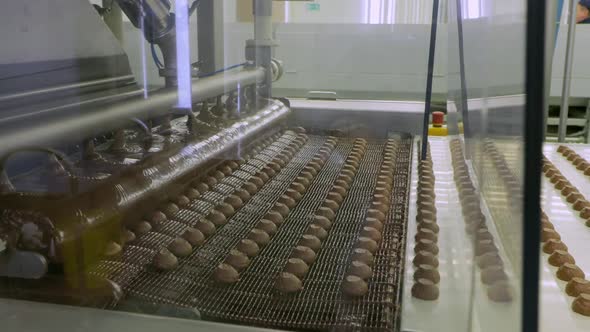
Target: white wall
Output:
[(380, 60)]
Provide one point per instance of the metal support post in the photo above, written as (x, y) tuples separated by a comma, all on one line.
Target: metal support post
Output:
[(567, 71), (211, 35), (263, 42), (551, 33), (464, 96), (429, 78)]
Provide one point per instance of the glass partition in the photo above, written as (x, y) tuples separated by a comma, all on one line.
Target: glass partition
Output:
[(245, 164)]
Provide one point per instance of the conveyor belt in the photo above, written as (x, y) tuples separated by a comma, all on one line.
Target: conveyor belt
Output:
[(321, 304)]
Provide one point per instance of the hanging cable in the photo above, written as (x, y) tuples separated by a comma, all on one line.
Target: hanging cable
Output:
[(155, 57), (222, 70)]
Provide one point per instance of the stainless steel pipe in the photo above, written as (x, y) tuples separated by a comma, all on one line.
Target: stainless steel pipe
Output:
[(46, 129), (135, 190)]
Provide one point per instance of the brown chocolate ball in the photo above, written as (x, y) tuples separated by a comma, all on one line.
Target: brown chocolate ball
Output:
[(317, 231), (425, 234), (342, 191), (157, 218), (573, 197), (374, 223), (428, 224), (425, 215), (581, 204), (293, 194), (201, 187), (194, 236), (192, 194), (577, 286), (484, 247), (248, 247), (127, 236), (483, 234), (425, 257), (112, 249), (560, 257), (568, 189), (425, 289), (281, 208), (269, 171), (237, 259), (267, 226), (363, 256), (354, 286), (298, 187), (243, 194), (428, 272), (342, 184), (143, 227), (367, 243), (217, 218), (263, 176), (288, 201), (297, 267), (180, 247), (335, 197), (275, 217), (165, 260), (226, 209), (234, 201), (549, 234), (210, 181), (426, 245), (303, 181), (326, 212), (250, 187), (500, 292), (493, 274), (382, 191), (304, 253), (490, 259), (360, 270), (581, 305), (552, 245), (226, 274), (568, 271), (311, 241), (331, 205), (259, 236), (371, 233), (170, 209), (257, 181), (380, 206)]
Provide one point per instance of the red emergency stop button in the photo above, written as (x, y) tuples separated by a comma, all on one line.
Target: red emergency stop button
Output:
[(438, 119)]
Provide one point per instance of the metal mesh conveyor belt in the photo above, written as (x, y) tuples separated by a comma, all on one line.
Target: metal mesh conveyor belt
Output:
[(321, 305)]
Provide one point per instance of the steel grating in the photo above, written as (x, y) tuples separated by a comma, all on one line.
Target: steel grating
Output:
[(253, 300)]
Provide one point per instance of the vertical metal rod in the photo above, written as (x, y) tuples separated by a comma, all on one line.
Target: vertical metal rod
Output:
[(263, 39), (464, 104), (210, 31), (567, 71), (551, 33), (183, 56), (533, 136), (429, 78)]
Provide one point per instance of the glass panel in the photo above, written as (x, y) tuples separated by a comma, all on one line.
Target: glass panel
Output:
[(489, 164), (255, 163)]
